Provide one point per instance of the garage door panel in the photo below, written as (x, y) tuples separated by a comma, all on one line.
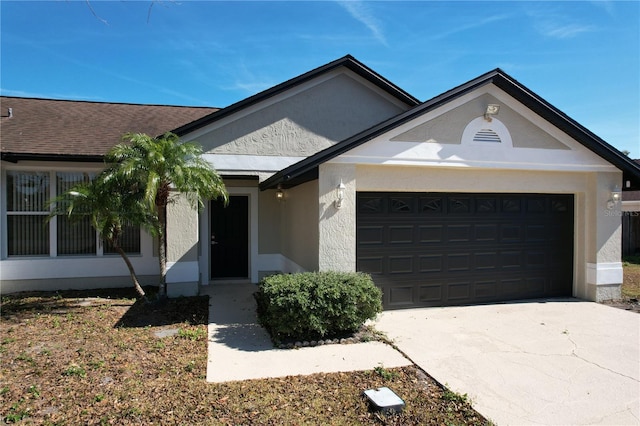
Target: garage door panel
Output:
[(487, 261), (373, 265), (429, 234), (401, 234), (400, 265), (401, 295), (459, 233), (431, 294), (458, 262), (486, 232), (459, 292), (431, 263), (433, 249), (486, 290), (371, 235)]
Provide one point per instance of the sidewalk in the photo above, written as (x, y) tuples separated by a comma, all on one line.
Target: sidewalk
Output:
[(240, 349)]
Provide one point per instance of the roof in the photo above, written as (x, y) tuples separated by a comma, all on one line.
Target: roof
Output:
[(47, 129), (347, 61), (307, 169)]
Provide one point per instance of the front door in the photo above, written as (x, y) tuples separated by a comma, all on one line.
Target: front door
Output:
[(230, 238)]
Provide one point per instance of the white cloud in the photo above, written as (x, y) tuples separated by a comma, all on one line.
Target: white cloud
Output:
[(562, 31), (469, 26), (556, 23), (361, 12)]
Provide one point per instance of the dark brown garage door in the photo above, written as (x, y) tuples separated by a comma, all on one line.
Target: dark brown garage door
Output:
[(437, 249)]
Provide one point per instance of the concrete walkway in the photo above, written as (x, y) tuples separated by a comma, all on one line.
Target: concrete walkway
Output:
[(554, 363), (240, 349)]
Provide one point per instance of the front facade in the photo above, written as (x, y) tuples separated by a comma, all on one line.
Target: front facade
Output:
[(485, 193)]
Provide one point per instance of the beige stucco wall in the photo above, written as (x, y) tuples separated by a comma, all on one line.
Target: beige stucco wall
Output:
[(300, 232), (269, 222), (182, 247), (337, 227), (298, 124), (597, 271), (182, 230)]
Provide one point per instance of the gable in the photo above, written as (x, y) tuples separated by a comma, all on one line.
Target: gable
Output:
[(303, 120), (457, 134), (448, 127)]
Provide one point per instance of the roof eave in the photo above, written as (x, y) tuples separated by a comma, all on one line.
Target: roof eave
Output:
[(15, 157)]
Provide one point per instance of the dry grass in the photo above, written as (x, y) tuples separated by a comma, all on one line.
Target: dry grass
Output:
[(631, 284), (96, 358)]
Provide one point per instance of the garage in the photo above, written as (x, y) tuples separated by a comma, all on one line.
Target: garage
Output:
[(441, 249)]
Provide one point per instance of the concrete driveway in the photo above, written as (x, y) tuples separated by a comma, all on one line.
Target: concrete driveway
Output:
[(554, 362)]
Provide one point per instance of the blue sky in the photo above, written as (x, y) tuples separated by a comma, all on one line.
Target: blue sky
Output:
[(581, 56)]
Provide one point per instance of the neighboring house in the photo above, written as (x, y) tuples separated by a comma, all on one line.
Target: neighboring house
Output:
[(631, 222), (484, 193)]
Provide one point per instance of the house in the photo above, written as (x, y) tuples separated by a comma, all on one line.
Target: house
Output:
[(484, 193)]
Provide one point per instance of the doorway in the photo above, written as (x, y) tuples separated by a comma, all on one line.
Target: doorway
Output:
[(229, 250)]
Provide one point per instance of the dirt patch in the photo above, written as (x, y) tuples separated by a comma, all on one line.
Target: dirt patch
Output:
[(103, 358)]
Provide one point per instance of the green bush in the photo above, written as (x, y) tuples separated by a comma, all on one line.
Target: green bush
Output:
[(314, 305)]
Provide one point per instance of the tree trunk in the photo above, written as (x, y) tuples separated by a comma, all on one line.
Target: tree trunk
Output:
[(134, 278), (162, 249)]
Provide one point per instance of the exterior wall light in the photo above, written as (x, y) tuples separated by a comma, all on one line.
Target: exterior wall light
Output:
[(492, 109), (616, 197), (279, 193), (339, 195)]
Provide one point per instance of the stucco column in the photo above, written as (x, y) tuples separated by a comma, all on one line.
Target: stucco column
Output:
[(337, 226), (182, 248), (604, 266)]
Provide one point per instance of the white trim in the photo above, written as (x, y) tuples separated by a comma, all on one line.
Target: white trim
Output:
[(257, 163), (535, 160), (604, 273), (32, 268), (182, 272)]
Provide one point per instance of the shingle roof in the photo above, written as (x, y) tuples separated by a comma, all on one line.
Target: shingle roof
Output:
[(49, 129)]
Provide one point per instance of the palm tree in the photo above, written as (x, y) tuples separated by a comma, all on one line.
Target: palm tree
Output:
[(109, 204), (159, 166)]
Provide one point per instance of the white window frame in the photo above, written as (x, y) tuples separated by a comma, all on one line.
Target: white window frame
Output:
[(53, 228)]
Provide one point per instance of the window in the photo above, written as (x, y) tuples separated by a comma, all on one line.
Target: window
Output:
[(27, 227), (30, 234), (75, 237)]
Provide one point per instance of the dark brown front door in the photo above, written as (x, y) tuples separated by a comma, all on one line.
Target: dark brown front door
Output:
[(438, 249), (230, 238)]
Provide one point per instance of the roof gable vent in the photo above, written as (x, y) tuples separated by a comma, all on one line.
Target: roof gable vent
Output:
[(486, 136), (489, 134)]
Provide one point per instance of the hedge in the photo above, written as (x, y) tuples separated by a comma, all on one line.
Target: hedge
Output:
[(314, 305)]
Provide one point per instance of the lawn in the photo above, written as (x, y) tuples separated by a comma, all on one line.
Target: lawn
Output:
[(631, 284), (101, 358)]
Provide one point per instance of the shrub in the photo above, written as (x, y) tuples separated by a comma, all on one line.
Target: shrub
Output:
[(315, 305)]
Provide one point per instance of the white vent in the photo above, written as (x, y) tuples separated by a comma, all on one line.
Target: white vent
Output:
[(486, 135)]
